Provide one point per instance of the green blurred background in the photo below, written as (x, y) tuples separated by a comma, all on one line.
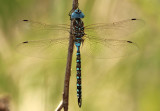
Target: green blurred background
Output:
[(126, 84)]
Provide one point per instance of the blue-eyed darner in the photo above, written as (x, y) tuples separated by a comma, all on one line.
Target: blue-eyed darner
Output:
[(85, 37)]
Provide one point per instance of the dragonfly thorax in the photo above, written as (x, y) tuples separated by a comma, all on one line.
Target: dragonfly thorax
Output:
[(78, 28)]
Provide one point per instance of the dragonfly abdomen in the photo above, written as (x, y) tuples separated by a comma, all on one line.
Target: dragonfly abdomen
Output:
[(78, 68)]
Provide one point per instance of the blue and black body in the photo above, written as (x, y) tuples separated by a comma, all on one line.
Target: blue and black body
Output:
[(109, 45), (78, 32)]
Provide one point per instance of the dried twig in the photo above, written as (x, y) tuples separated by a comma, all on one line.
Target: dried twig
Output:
[(4, 104), (65, 100)]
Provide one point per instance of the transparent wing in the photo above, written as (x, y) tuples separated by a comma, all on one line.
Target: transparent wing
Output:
[(48, 48), (115, 30), (42, 26), (108, 48)]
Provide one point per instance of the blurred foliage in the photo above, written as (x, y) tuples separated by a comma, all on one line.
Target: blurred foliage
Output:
[(125, 84)]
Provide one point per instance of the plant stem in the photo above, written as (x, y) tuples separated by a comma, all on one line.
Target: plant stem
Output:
[(64, 103)]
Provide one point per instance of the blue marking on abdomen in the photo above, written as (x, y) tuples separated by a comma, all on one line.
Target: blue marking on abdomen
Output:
[(78, 60), (78, 53), (78, 77), (78, 69), (77, 44), (78, 84)]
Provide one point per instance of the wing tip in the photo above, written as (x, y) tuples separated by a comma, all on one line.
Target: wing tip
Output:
[(25, 20), (141, 21), (25, 42), (129, 41), (133, 18)]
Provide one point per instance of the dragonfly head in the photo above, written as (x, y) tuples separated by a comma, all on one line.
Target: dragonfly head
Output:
[(77, 14)]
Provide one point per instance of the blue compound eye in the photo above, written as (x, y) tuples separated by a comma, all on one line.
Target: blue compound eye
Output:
[(77, 14)]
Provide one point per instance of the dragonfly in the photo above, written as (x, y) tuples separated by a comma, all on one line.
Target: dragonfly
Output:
[(95, 40)]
